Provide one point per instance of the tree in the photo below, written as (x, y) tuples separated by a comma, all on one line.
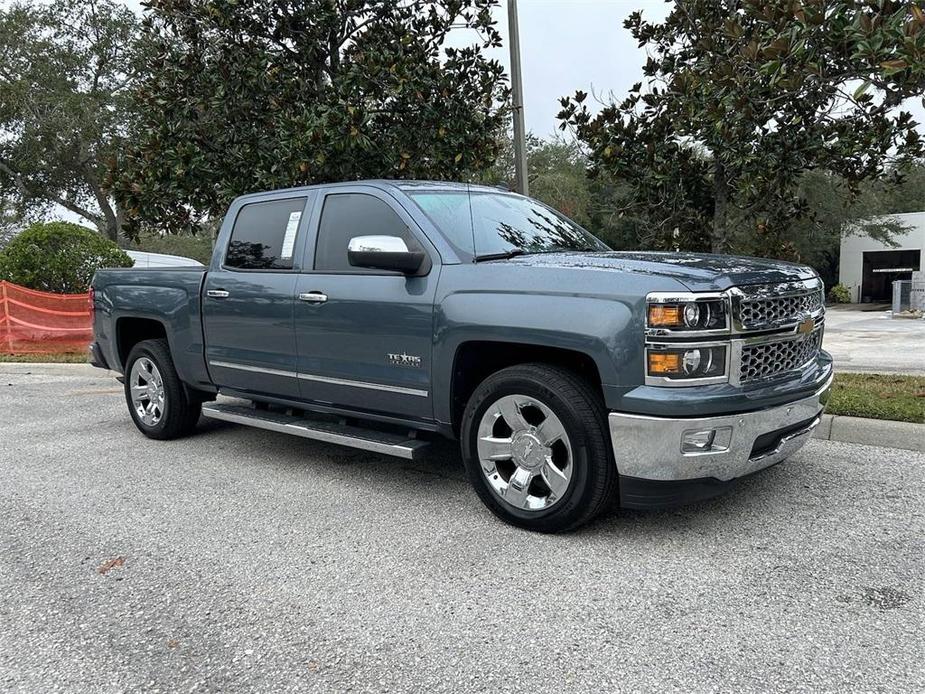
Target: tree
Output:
[(744, 96), (832, 210), (556, 170), (58, 257), (64, 70), (10, 221), (261, 94)]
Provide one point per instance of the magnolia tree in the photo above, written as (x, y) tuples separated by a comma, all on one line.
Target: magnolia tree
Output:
[(259, 94), (65, 68), (742, 97)]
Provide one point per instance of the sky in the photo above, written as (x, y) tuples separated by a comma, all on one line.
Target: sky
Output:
[(567, 45)]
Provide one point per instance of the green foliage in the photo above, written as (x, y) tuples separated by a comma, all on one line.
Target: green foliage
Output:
[(58, 257), (741, 99), (261, 94), (557, 172), (64, 70), (606, 206), (840, 294), (196, 246), (878, 396)]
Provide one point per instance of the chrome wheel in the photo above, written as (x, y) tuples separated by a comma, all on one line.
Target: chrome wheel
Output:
[(524, 452), (147, 388)]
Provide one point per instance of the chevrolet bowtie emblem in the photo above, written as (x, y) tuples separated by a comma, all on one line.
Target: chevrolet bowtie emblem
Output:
[(806, 326)]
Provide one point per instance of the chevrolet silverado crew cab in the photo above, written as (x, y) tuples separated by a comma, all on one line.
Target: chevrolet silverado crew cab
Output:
[(380, 314)]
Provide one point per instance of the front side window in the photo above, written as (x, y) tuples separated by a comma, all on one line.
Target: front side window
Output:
[(484, 223), (263, 236), (346, 215)]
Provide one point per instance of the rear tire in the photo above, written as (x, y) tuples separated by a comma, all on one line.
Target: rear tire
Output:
[(535, 444), (159, 404)]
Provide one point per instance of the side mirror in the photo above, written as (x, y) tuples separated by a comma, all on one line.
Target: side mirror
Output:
[(384, 253)]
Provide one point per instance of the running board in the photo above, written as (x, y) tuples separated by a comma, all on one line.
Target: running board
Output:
[(329, 432)]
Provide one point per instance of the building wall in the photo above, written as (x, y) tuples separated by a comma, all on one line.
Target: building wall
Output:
[(851, 256)]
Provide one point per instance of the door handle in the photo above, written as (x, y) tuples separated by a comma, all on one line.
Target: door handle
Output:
[(313, 297), (217, 293)]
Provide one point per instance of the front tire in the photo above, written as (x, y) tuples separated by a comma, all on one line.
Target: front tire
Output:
[(535, 446), (159, 404)]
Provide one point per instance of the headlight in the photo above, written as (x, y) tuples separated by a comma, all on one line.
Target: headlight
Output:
[(686, 362), (688, 315)]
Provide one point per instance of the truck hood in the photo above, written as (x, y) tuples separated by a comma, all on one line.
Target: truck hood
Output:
[(697, 271)]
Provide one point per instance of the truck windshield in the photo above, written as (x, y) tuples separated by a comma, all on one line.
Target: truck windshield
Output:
[(494, 225)]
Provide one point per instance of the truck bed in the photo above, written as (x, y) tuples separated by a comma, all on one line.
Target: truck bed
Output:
[(147, 298)]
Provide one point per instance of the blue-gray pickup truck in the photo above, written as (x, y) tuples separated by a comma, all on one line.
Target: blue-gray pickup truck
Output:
[(380, 314)]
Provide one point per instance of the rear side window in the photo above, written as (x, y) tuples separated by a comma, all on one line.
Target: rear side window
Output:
[(264, 233), (346, 215)]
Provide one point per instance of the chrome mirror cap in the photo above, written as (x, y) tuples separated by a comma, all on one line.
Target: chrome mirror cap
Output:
[(384, 253), (377, 244)]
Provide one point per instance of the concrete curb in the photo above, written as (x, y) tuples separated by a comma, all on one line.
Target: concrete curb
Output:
[(872, 432)]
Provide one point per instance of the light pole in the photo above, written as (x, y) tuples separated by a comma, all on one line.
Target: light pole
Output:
[(517, 99)]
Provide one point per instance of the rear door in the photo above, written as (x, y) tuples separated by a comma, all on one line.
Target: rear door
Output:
[(248, 300), (365, 337)]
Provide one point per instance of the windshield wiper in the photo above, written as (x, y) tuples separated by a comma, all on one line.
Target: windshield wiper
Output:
[(500, 256)]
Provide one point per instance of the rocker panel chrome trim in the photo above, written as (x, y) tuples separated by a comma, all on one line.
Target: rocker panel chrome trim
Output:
[(402, 390)]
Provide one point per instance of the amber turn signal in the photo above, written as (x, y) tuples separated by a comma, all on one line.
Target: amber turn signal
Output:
[(664, 316), (664, 363)]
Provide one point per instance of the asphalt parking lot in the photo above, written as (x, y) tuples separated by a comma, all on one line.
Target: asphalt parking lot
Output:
[(243, 560), (865, 340)]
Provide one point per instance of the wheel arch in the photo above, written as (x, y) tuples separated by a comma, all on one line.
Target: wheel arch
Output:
[(130, 330), (475, 360)]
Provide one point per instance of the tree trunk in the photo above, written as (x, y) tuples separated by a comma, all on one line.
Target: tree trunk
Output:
[(110, 223), (719, 238)]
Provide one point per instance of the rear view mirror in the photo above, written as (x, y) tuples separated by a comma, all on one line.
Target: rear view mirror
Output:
[(384, 253)]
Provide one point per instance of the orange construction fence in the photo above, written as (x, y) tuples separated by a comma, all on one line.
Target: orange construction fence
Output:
[(34, 322)]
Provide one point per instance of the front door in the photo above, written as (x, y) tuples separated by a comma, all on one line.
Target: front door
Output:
[(248, 302), (364, 336)]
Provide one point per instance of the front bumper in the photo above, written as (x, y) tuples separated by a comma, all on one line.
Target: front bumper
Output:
[(656, 471)]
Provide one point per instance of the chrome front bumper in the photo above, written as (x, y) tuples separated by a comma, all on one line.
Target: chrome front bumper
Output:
[(650, 448)]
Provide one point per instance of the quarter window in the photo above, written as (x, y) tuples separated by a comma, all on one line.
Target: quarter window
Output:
[(264, 234), (346, 215)]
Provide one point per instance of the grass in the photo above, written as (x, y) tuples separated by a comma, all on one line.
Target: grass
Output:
[(69, 358), (879, 396)]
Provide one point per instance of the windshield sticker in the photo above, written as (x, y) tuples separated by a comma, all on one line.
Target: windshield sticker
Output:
[(292, 226)]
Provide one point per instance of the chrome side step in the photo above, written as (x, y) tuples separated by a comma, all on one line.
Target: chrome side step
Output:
[(329, 432)]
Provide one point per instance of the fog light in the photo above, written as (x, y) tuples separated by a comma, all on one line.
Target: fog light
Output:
[(697, 441), (706, 440)]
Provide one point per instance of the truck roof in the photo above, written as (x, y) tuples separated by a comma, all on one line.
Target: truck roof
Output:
[(403, 185)]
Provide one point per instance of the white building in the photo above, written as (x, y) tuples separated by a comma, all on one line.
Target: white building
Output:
[(868, 267)]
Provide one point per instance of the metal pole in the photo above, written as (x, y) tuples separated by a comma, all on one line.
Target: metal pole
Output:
[(517, 99)]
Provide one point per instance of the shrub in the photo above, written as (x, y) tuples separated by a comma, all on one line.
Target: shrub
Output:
[(840, 294), (58, 257)]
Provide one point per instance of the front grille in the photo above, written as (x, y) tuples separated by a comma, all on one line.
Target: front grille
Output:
[(771, 359), (758, 313)]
